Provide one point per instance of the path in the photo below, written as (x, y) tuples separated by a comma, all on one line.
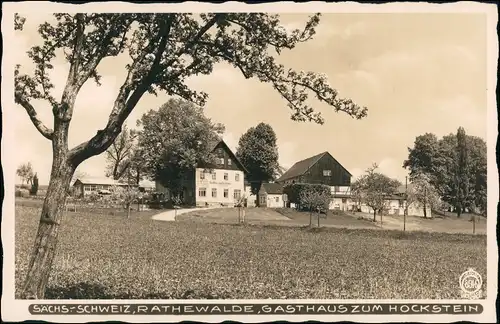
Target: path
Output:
[(169, 215)]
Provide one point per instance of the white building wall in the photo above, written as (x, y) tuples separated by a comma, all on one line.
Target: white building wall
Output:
[(394, 208), (233, 182), (341, 203), (340, 190), (344, 204), (274, 201)]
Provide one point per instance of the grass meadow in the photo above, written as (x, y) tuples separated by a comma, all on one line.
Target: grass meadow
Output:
[(109, 256)]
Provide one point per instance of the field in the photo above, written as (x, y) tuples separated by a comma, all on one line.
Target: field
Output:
[(110, 256)]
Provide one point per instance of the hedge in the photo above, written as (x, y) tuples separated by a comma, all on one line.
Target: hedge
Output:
[(294, 190)]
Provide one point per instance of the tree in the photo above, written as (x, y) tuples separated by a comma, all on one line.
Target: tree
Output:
[(164, 49), (258, 152), (423, 193), (120, 153), (439, 160), (25, 172), (357, 194), (421, 158), (174, 140), (462, 198), (125, 196), (316, 201), (34, 186), (374, 188)]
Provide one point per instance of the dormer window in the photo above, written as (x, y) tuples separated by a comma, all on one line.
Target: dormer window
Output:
[(327, 173)]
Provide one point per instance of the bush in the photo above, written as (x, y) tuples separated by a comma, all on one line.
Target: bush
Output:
[(22, 193), (296, 192), (34, 186)]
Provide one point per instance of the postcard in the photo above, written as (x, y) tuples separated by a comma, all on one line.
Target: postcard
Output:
[(249, 162)]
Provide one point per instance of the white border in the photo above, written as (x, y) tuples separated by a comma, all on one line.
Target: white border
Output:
[(17, 310)]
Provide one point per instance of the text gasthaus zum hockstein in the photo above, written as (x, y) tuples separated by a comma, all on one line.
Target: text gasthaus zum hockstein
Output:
[(207, 309)]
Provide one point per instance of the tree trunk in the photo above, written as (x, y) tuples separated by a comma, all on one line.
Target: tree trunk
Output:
[(46, 238), (319, 215), (374, 215), (459, 210), (425, 210), (310, 219)]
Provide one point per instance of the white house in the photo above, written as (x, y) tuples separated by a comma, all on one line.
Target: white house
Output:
[(396, 204), (271, 195), (221, 184), (92, 185)]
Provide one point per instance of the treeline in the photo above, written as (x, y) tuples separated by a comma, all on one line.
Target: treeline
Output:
[(456, 166)]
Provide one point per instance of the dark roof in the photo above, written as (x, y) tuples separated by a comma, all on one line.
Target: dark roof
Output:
[(302, 166), (214, 143), (299, 168), (273, 188)]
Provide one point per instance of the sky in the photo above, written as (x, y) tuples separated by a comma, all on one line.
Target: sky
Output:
[(416, 73)]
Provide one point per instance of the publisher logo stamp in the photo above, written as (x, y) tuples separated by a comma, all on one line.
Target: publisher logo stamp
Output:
[(471, 283)]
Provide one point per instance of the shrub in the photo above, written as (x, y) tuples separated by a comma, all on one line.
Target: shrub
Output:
[(22, 193), (34, 186), (297, 191)]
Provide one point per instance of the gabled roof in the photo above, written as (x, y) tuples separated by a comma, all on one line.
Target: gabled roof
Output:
[(273, 188), (302, 166), (219, 141), (299, 168)]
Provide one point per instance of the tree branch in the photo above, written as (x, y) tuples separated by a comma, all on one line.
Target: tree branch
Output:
[(65, 110), (122, 106), (45, 131)]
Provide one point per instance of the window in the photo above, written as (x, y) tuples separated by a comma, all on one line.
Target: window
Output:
[(214, 175), (226, 176), (344, 200), (221, 161), (237, 194), (93, 188), (263, 199), (226, 193), (237, 177), (327, 173), (336, 189), (202, 192), (277, 199), (229, 162), (86, 188), (202, 175), (214, 192)]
